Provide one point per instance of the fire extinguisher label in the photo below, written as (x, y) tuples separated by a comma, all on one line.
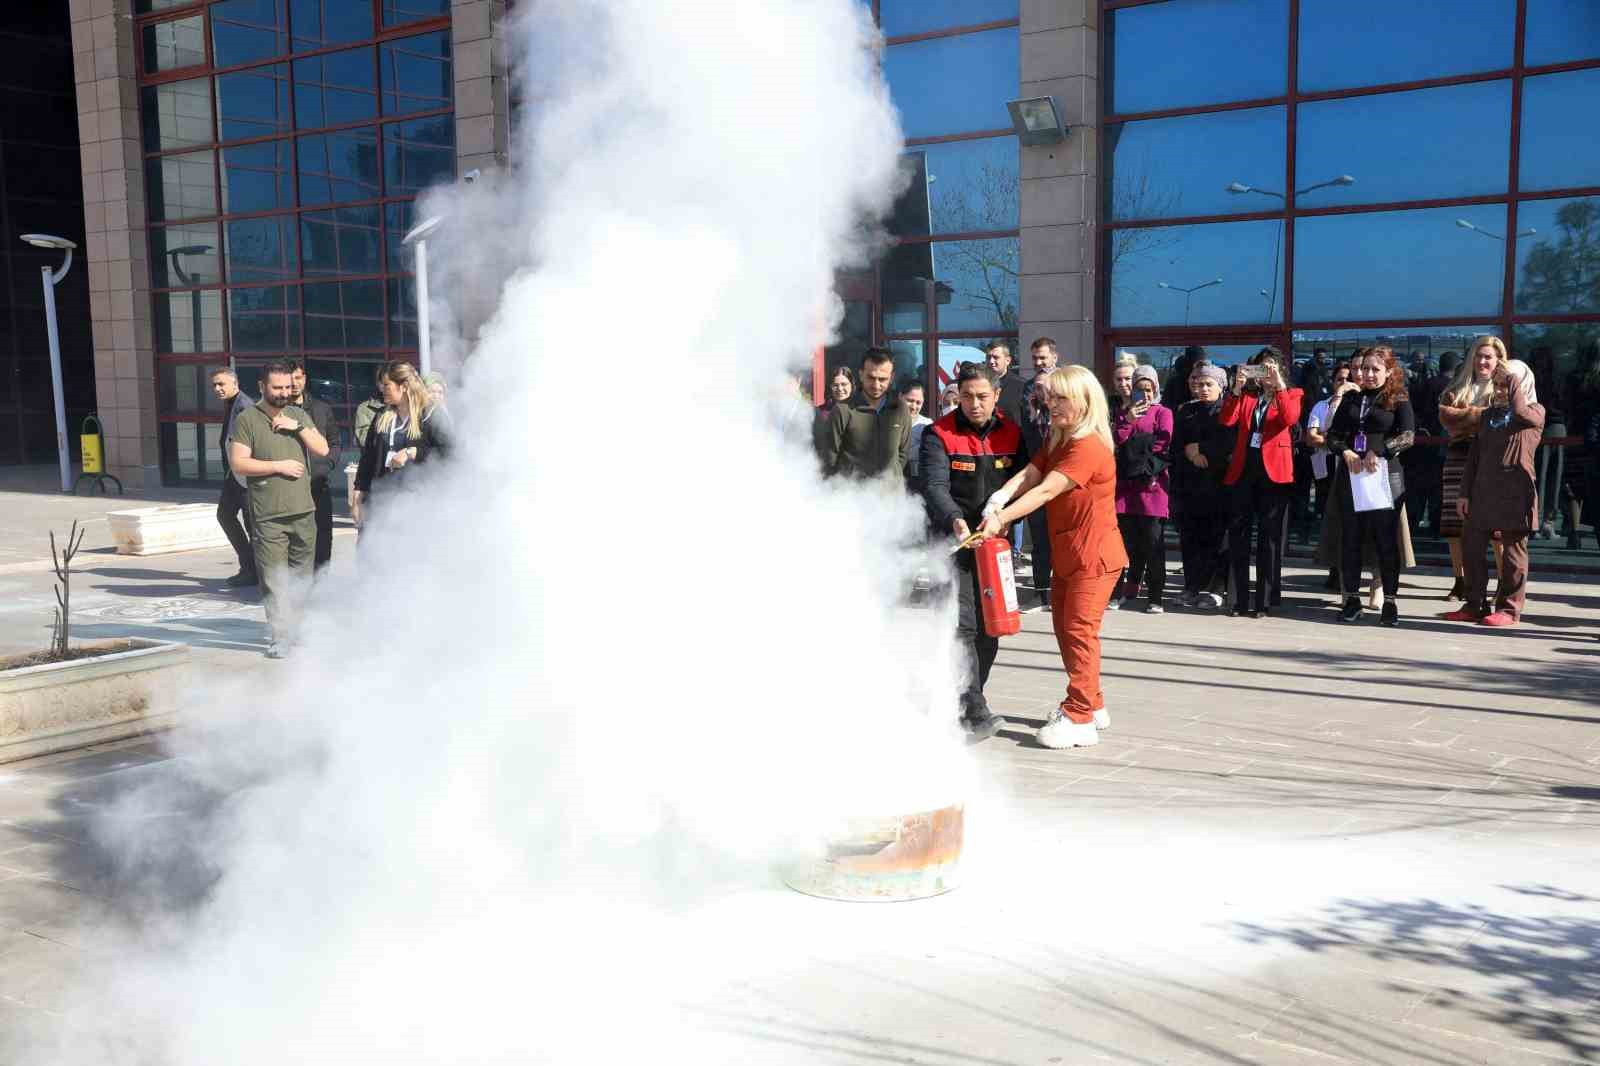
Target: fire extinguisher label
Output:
[(1008, 580)]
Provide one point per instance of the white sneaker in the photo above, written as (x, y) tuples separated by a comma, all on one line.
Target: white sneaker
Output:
[(1211, 599), (1102, 719), (1059, 731), (1155, 608), (1114, 605)]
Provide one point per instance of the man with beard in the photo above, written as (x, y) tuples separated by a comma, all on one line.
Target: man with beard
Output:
[(321, 465), (271, 445), (869, 436)]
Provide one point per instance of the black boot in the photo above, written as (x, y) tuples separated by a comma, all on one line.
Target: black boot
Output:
[(1391, 613), (1351, 610)]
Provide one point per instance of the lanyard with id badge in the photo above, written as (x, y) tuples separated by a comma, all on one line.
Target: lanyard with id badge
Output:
[(1258, 417), (1359, 444)]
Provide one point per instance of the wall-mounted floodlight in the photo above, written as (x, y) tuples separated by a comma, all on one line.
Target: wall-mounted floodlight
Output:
[(51, 278), (1037, 120)]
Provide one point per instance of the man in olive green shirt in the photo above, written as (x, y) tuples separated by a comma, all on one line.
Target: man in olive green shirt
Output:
[(870, 435), (271, 445)]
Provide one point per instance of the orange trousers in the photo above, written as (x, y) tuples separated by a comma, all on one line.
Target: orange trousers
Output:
[(1077, 607)]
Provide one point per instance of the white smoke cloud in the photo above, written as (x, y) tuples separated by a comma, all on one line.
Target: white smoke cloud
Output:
[(620, 656)]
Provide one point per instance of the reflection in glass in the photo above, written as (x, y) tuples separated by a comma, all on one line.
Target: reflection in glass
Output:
[(253, 103), (899, 17), (344, 240), (176, 114), (1418, 145), (1559, 146), (245, 31), (1560, 31), (344, 314), (339, 167), (398, 11), (910, 364), (963, 187), (1173, 167), (1247, 256), (264, 319), (188, 321), (145, 7), (418, 153), (1400, 264), (320, 23), (952, 353), (257, 177), (402, 312), (398, 218), (181, 186), (1190, 52), (1558, 256), (333, 89), (973, 285), (1346, 43), (416, 73), (954, 84), (1430, 341), (261, 249), (1570, 343), (181, 256), (185, 388), (174, 44), (181, 451), (1163, 356)]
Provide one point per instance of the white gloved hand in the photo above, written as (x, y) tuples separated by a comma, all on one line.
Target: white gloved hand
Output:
[(996, 503)]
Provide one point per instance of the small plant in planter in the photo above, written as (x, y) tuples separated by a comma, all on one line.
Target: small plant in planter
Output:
[(61, 649)]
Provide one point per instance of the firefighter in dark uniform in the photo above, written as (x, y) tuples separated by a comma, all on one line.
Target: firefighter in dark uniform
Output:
[(967, 456)]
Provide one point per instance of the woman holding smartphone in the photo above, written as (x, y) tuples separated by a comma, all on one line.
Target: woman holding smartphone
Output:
[(1142, 431), (1263, 410)]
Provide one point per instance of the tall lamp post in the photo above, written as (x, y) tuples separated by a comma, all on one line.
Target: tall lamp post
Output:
[(1239, 188), (1464, 224), (51, 279), (1188, 293), (190, 280), (417, 238)]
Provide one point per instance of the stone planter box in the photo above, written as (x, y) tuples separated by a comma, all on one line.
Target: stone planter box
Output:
[(60, 706), (159, 530)]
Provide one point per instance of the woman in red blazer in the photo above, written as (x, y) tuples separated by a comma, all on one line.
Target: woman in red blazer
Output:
[(1260, 476)]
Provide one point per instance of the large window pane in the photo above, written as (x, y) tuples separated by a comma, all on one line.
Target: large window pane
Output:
[(257, 177), (253, 103), (1163, 356), (244, 31), (975, 282), (176, 114), (1559, 31), (181, 451), (402, 312), (1558, 262), (181, 186), (1408, 342), (320, 23), (339, 167), (1420, 145), (173, 44), (185, 388), (1191, 52), (416, 73), (1568, 343), (396, 12), (1171, 167), (933, 99), (1559, 146), (262, 249), (418, 153), (188, 321), (264, 320), (1400, 264), (181, 256), (1200, 275), (1345, 43), (344, 314), (333, 89), (963, 187), (344, 240), (398, 218), (900, 17)]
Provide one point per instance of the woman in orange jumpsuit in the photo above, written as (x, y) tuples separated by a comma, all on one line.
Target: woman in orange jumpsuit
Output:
[(1074, 478)]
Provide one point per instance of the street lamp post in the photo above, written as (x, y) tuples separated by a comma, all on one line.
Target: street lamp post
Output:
[(1464, 224), (1239, 188), (191, 280), (1188, 293), (417, 238), (51, 279)]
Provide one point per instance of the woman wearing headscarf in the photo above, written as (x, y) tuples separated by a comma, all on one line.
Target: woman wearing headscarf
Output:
[(1262, 411), (1142, 431), (1201, 447), (1461, 408), (1499, 495), (1375, 422), (1074, 478)]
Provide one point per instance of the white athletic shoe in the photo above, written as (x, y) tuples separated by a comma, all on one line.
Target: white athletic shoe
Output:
[(1102, 719), (1059, 731)]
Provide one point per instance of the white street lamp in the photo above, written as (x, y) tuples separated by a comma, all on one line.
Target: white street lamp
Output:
[(1464, 224), (51, 279), (418, 237), (1188, 293)]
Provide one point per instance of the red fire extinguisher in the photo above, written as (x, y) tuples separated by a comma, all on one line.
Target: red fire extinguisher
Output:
[(997, 582)]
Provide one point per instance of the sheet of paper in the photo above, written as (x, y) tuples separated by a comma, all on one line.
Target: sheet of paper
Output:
[(1371, 491)]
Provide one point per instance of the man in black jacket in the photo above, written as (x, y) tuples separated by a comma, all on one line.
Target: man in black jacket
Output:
[(968, 456), (320, 466), (235, 500), (1010, 382)]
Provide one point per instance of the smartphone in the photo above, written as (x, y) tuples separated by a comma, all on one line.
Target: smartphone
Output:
[(1255, 372)]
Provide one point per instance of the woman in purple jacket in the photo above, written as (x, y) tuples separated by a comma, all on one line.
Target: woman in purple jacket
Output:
[(1142, 430)]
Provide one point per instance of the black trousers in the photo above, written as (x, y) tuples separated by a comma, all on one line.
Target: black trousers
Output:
[(1257, 511), (322, 499), (1039, 536), (1144, 539), (231, 505), (980, 647), (1200, 535), (1384, 529)]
